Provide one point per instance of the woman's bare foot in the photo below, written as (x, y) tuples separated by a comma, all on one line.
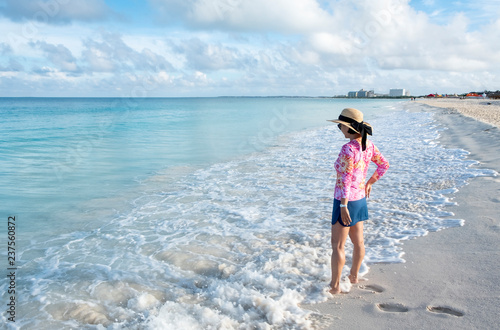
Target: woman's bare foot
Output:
[(353, 279), (335, 291)]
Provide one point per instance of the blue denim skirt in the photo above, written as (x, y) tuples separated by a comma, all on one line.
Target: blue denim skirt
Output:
[(358, 210)]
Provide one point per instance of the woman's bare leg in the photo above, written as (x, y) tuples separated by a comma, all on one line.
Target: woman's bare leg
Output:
[(356, 236), (339, 236)]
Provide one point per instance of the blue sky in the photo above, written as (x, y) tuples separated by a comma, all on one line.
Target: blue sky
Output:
[(247, 47)]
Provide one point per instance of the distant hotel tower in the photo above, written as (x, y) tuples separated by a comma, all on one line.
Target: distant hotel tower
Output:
[(399, 92), (361, 93)]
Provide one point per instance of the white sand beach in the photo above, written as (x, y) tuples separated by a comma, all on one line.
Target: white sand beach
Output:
[(485, 110), (450, 278)]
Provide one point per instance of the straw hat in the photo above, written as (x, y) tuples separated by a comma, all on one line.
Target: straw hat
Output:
[(350, 115)]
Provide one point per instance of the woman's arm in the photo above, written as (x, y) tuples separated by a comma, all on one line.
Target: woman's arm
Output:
[(344, 212), (381, 162), (382, 167), (368, 186)]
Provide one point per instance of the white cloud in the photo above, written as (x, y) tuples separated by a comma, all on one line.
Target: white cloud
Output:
[(112, 54), (200, 55), (12, 66), (243, 47), (56, 11), (285, 16), (325, 42), (59, 55), (5, 48)]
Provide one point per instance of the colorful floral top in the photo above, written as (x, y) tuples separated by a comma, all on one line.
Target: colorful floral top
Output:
[(352, 166)]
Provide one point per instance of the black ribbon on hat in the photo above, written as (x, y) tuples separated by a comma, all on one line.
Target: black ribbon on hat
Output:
[(362, 128)]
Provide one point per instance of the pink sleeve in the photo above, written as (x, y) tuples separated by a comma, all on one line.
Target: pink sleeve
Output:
[(382, 163), (344, 166)]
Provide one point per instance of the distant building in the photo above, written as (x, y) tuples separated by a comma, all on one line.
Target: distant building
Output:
[(361, 93), (397, 92)]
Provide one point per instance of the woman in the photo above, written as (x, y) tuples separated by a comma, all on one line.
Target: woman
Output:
[(349, 206)]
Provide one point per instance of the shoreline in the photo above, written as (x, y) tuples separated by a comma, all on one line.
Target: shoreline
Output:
[(449, 278)]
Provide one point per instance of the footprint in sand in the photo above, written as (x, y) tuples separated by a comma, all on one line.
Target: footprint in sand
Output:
[(373, 288), (444, 310), (392, 308)]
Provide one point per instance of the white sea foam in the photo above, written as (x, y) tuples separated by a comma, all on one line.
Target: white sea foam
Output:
[(240, 244)]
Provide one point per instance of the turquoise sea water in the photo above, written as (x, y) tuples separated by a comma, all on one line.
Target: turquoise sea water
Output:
[(58, 153), (200, 212)]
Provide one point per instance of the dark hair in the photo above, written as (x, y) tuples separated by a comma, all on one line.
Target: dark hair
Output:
[(351, 131)]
